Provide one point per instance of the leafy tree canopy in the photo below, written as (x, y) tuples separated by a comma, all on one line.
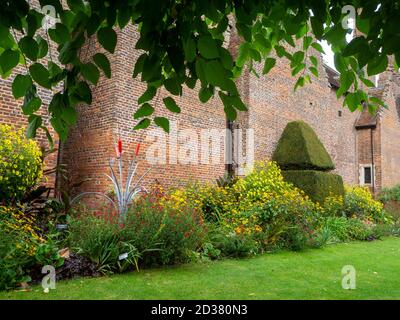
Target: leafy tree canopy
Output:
[(182, 43)]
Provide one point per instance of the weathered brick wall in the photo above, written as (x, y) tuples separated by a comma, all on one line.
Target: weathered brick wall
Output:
[(92, 142), (273, 103), (390, 132), (11, 111)]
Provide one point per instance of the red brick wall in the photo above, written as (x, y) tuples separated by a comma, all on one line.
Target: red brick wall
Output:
[(273, 103), (390, 132), (91, 143), (11, 113)]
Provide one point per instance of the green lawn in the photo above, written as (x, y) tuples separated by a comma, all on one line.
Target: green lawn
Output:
[(313, 274)]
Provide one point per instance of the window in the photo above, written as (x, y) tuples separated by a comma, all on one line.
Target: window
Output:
[(366, 175)]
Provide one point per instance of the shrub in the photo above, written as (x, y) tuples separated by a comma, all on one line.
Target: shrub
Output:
[(22, 248), (391, 200), (360, 230), (300, 148), (211, 200), (99, 240), (154, 233), (316, 184), (359, 202), (164, 232), (338, 227), (13, 262), (390, 194), (333, 206), (232, 244), (20, 163)]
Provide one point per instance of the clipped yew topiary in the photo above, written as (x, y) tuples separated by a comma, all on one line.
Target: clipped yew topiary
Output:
[(300, 148), (316, 184), (305, 162)]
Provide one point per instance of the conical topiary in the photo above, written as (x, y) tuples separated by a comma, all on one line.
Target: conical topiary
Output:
[(300, 148), (304, 162)]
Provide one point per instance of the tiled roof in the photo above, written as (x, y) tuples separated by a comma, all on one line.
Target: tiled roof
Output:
[(333, 76), (366, 120)]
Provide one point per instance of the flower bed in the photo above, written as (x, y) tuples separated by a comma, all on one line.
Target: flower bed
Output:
[(238, 217)]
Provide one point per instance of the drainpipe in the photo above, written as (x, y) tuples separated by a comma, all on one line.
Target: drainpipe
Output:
[(372, 161), (229, 148)]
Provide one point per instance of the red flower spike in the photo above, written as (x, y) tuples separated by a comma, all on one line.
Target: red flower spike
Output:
[(120, 145), (137, 149)]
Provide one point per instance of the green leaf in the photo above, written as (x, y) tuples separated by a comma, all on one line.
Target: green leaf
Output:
[(299, 68), (243, 54), (43, 47), (207, 47), (139, 65), (29, 48), (69, 115), (317, 47), (318, 27), (205, 94), (147, 95), (201, 70), (307, 42), (189, 48), (6, 39), (355, 46), (76, 5), (377, 101), (244, 31), (367, 82), (107, 38), (103, 63), (269, 64), (162, 123), (346, 80), (377, 65), (34, 123), (60, 34), (314, 71), (299, 83), (263, 42), (54, 70), (40, 74), (340, 63), (20, 85), (8, 60), (314, 61), (215, 74), (230, 111), (32, 102), (238, 103), (171, 105), (143, 124), (298, 57), (83, 92), (60, 127), (173, 86), (144, 111), (352, 101), (90, 72), (226, 58), (49, 137)]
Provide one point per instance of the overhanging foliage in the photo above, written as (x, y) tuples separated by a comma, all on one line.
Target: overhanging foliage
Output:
[(183, 45)]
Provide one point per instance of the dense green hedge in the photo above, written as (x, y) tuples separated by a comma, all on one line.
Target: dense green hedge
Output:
[(316, 184), (300, 148)]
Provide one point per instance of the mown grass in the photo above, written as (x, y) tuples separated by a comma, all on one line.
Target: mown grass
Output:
[(313, 274)]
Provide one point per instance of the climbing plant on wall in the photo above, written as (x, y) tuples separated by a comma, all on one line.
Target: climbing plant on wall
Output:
[(182, 45)]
